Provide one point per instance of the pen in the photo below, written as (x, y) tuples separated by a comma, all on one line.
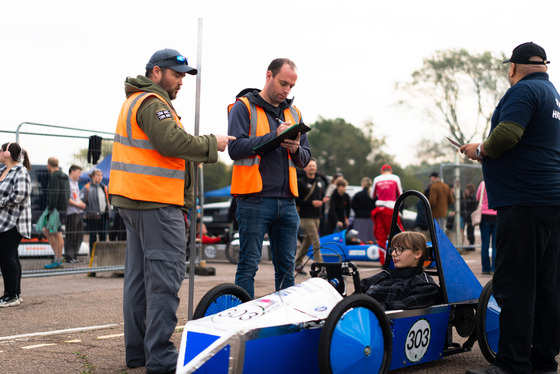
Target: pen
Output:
[(279, 121)]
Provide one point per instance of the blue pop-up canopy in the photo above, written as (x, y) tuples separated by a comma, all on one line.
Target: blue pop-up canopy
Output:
[(104, 166), (220, 192)]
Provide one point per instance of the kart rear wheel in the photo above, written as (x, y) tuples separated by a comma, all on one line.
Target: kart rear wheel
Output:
[(488, 323), (220, 298), (232, 252), (356, 338)]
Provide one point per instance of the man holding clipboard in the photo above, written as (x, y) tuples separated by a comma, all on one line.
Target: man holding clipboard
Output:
[(264, 179)]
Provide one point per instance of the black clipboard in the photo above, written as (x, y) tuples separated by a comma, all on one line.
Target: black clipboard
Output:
[(289, 133)]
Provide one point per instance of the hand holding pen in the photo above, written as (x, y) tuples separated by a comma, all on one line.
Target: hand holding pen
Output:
[(291, 145), (283, 126)]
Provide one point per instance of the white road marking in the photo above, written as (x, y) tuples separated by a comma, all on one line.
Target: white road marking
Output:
[(38, 346), (110, 336), (46, 333)]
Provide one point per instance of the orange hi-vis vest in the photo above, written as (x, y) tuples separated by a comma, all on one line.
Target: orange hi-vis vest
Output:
[(138, 170), (246, 177)]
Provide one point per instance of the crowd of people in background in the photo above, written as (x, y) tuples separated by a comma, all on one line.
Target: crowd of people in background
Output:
[(79, 211), (368, 212)]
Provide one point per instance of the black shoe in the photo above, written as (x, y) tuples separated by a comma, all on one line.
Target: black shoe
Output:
[(299, 270)]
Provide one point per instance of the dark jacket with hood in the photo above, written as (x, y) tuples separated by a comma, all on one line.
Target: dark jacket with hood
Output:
[(305, 184), (58, 191), (273, 165), (406, 288), (363, 204)]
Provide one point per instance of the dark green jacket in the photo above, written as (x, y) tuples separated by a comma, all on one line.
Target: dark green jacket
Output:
[(168, 138), (58, 191)]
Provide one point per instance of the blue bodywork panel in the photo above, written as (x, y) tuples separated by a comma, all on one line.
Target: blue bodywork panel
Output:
[(418, 338), (460, 282), (285, 353), (273, 351), (197, 342)]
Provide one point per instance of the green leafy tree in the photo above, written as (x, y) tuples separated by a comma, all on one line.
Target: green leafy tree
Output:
[(340, 147), (459, 91), (216, 175)]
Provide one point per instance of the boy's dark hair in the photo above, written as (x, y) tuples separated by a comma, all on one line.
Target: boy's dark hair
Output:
[(341, 182), (414, 240), (74, 167)]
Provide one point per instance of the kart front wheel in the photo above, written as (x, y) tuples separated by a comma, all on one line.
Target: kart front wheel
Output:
[(220, 298), (488, 323), (356, 338)]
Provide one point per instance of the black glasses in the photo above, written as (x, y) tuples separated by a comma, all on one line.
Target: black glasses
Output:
[(397, 250), (181, 60)]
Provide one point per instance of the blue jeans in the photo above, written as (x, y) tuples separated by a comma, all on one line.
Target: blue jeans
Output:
[(487, 229), (256, 216)]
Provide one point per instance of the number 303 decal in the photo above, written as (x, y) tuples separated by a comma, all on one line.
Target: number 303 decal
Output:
[(418, 340), (241, 314)]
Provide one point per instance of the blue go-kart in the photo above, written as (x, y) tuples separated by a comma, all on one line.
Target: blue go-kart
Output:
[(314, 327), (339, 247)]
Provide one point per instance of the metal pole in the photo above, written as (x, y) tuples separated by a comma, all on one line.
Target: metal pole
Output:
[(192, 257), (457, 226)]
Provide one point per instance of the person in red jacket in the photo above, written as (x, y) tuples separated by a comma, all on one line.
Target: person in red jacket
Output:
[(386, 189)]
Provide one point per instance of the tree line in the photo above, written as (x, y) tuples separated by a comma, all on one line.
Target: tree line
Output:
[(455, 89)]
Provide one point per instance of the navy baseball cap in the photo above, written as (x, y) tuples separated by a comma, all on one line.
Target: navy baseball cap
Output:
[(170, 58), (523, 52)]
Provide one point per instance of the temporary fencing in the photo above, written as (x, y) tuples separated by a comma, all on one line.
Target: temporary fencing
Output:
[(71, 146)]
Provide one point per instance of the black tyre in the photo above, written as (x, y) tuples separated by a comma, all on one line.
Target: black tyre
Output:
[(220, 298), (232, 251), (488, 323), (356, 335)]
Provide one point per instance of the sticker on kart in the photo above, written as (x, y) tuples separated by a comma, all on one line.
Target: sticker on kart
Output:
[(418, 340), (245, 313)]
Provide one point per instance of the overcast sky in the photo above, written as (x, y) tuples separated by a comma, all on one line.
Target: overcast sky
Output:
[(64, 61)]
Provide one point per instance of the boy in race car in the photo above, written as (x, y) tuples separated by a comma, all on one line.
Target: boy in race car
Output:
[(407, 286)]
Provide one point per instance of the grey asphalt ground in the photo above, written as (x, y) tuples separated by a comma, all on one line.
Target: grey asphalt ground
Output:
[(74, 323)]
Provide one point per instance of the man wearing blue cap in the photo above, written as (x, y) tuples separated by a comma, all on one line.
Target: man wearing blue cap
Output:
[(521, 165), (151, 184)]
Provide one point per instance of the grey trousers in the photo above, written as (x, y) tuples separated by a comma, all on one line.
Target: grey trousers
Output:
[(155, 266)]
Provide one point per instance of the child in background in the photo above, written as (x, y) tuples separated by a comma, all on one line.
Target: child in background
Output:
[(339, 210), (406, 286)]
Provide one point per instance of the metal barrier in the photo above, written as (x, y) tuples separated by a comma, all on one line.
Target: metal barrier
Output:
[(70, 146)]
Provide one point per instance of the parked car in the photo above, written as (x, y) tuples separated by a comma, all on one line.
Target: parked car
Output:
[(216, 217)]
